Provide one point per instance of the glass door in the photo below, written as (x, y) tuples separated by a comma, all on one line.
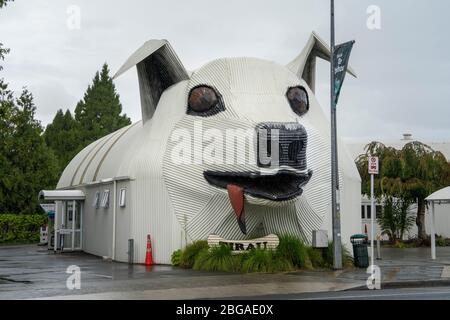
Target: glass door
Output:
[(71, 225)]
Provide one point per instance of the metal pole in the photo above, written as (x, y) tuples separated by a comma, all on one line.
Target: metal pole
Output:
[(73, 224), (337, 246), (372, 219), (433, 231)]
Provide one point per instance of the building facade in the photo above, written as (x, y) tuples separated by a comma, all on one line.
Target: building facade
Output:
[(202, 161)]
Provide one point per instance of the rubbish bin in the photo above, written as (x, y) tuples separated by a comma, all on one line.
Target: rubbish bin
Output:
[(360, 252)]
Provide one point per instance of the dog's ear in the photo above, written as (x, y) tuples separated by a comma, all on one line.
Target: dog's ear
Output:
[(158, 68), (304, 65)]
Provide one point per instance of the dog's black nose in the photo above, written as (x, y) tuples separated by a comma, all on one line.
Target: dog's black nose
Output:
[(290, 139)]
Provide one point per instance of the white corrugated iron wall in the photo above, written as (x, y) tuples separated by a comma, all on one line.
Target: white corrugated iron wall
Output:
[(97, 223), (123, 215), (152, 212)]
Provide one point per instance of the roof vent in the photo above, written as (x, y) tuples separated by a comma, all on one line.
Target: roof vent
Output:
[(407, 136)]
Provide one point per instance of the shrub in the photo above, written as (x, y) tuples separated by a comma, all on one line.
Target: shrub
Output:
[(189, 254), (176, 258), (315, 257), (21, 228), (396, 219), (347, 259), (257, 260), (441, 242), (293, 249), (218, 258), (261, 260)]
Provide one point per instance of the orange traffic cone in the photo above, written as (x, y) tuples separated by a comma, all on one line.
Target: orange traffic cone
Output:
[(148, 255)]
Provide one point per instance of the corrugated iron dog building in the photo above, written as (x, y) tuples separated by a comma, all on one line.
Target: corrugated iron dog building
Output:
[(188, 169)]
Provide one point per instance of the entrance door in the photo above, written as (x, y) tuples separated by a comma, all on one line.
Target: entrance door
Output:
[(70, 231)]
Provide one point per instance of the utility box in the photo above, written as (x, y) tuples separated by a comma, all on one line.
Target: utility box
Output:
[(320, 239)]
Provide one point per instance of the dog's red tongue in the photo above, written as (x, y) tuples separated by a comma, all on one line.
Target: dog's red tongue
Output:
[(236, 195)]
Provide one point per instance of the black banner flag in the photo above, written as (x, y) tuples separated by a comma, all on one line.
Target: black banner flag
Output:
[(341, 57)]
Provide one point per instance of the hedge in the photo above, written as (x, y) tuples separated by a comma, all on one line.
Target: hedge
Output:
[(16, 228)]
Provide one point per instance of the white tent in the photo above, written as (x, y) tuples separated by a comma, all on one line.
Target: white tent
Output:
[(439, 197)]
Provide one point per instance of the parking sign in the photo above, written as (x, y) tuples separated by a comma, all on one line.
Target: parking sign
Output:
[(373, 165)]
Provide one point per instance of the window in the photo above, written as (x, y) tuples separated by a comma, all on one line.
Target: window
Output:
[(105, 199), (96, 200), (122, 197), (363, 216), (379, 210), (369, 213)]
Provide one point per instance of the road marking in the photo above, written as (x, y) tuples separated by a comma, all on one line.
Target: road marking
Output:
[(379, 295), (99, 275), (445, 272)]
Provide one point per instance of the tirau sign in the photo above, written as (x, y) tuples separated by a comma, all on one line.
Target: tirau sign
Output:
[(270, 241)]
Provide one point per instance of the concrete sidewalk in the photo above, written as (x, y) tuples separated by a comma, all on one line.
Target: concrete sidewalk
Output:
[(408, 267), (31, 272)]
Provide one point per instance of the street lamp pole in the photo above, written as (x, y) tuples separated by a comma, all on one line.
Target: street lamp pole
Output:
[(336, 219)]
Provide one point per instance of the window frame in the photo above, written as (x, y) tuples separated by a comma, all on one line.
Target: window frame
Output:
[(96, 203), (104, 203), (123, 197)]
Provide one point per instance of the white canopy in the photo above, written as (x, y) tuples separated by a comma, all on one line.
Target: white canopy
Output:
[(61, 195), (442, 195)]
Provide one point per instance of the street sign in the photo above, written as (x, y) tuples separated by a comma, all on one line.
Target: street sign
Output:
[(373, 165)]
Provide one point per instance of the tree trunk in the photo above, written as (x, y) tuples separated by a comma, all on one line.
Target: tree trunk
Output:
[(420, 220)]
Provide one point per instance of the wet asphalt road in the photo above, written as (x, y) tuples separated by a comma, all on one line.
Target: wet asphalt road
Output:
[(29, 272), (434, 293)]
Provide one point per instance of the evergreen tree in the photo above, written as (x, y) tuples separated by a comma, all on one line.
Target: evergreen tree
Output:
[(99, 112), (63, 137), (27, 165)]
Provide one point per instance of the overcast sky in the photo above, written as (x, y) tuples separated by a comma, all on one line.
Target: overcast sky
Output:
[(403, 83)]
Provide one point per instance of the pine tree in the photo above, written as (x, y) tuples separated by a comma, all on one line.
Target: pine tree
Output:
[(99, 112), (63, 137)]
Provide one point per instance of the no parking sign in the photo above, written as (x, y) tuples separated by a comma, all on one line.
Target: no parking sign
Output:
[(373, 165)]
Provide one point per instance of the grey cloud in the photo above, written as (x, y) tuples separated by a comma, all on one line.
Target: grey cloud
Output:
[(403, 69)]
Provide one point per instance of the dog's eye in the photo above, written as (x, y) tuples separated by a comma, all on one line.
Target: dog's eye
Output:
[(298, 99), (204, 101)]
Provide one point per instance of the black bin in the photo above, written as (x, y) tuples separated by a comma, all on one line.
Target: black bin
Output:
[(360, 252)]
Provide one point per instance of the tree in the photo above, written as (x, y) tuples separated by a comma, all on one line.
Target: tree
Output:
[(99, 112), (27, 165), (410, 174), (3, 3), (63, 137), (3, 51), (395, 219)]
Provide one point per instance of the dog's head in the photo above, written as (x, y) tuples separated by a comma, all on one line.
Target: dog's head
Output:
[(246, 136)]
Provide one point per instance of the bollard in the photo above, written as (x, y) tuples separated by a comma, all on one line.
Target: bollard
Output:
[(378, 247)]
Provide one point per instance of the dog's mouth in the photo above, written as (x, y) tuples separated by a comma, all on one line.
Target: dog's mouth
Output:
[(282, 186)]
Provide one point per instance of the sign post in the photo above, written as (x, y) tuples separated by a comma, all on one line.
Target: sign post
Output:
[(373, 170)]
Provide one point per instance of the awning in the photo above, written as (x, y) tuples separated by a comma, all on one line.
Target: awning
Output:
[(54, 195), (442, 195)]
